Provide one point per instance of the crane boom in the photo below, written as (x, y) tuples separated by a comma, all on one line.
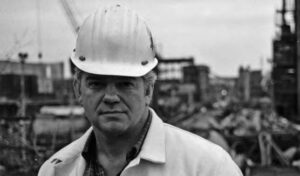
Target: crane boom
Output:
[(70, 14)]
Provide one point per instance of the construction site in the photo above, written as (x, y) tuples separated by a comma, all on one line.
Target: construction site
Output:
[(254, 116)]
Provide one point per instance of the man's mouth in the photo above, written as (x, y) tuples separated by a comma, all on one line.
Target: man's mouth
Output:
[(110, 112)]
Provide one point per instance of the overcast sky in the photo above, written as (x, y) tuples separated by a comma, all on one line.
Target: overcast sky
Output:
[(222, 34)]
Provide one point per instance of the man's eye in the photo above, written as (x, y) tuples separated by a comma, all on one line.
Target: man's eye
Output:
[(95, 84), (126, 84)]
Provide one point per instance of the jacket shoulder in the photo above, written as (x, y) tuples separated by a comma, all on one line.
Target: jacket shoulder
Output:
[(197, 154), (192, 144), (65, 155)]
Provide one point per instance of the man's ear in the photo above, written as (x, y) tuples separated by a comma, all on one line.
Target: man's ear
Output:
[(148, 94), (77, 90)]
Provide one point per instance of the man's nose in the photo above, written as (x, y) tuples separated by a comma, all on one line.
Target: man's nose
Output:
[(111, 95)]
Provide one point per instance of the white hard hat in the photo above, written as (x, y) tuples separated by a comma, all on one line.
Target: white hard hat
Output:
[(114, 41)]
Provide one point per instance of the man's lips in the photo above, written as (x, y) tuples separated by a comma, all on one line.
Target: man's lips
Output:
[(110, 112)]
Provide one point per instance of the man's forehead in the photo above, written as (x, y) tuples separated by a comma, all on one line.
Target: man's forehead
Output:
[(108, 77)]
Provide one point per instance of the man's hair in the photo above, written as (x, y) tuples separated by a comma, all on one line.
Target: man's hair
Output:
[(149, 78)]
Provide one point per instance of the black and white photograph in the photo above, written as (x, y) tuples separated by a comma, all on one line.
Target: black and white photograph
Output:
[(150, 88)]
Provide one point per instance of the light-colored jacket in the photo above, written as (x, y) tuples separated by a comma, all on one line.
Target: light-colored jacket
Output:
[(167, 151)]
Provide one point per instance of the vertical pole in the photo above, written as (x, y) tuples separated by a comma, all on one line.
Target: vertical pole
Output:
[(38, 20), (264, 139), (22, 111), (22, 96)]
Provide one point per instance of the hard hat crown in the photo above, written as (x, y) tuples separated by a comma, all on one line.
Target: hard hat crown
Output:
[(114, 41)]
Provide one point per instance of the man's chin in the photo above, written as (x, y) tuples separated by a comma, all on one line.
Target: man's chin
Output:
[(113, 129)]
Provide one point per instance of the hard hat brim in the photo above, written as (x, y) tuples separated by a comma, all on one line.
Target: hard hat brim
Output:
[(109, 69)]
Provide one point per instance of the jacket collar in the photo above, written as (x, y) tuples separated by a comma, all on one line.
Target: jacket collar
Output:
[(154, 145), (73, 150), (152, 150)]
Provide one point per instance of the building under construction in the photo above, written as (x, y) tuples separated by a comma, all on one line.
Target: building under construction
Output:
[(286, 55)]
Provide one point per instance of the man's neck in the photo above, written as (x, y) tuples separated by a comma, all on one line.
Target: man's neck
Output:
[(112, 150), (114, 146)]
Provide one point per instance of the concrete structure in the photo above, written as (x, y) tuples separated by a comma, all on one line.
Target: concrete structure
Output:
[(243, 84), (27, 86), (249, 84), (11, 86), (198, 75), (42, 70), (256, 90)]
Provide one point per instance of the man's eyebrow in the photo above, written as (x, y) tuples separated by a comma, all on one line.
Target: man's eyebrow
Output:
[(127, 78), (123, 78), (92, 77)]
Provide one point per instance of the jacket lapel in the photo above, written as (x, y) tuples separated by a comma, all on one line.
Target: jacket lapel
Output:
[(154, 145), (72, 163), (71, 168)]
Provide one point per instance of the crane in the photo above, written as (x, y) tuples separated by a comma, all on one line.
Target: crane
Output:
[(70, 12)]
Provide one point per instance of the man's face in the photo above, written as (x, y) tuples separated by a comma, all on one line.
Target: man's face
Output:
[(113, 104)]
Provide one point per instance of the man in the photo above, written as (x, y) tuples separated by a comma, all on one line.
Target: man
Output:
[(114, 81)]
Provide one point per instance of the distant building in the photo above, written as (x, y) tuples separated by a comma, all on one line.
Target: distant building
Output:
[(297, 14), (256, 89), (38, 86), (243, 84), (249, 84), (198, 75), (284, 71), (64, 91), (170, 69), (169, 86), (10, 94), (40, 69), (10, 88), (222, 88), (44, 74)]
